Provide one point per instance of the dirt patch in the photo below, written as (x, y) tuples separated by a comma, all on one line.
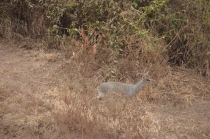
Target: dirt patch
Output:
[(25, 77)]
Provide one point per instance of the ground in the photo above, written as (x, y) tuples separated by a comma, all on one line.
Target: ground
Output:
[(32, 107), (24, 74)]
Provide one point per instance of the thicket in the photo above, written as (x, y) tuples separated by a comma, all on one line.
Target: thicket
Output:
[(139, 31)]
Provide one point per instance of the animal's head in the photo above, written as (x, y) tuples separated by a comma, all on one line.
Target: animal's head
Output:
[(146, 80)]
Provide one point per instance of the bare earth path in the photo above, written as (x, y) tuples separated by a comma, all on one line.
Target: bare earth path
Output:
[(25, 77)]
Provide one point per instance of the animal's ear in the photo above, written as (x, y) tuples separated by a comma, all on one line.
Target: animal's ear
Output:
[(143, 76)]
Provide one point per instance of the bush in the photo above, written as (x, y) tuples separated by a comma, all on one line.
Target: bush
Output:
[(133, 30)]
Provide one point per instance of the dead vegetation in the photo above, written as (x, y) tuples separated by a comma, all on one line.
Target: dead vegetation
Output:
[(156, 111), (66, 108), (177, 103)]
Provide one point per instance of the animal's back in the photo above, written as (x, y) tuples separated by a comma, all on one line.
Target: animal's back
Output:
[(116, 87)]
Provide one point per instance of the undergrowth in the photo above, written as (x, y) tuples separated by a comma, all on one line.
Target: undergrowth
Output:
[(145, 31), (118, 116)]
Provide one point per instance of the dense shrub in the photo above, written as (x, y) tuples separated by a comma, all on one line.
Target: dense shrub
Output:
[(135, 30), (185, 27)]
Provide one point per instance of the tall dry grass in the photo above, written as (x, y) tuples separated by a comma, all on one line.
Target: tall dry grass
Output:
[(117, 116), (70, 106)]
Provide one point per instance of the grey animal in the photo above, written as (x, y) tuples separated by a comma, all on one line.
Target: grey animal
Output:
[(121, 88)]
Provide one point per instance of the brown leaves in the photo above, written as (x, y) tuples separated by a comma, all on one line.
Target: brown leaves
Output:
[(89, 40)]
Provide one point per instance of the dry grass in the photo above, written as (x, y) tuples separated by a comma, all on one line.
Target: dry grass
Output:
[(136, 117), (112, 117), (175, 107)]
